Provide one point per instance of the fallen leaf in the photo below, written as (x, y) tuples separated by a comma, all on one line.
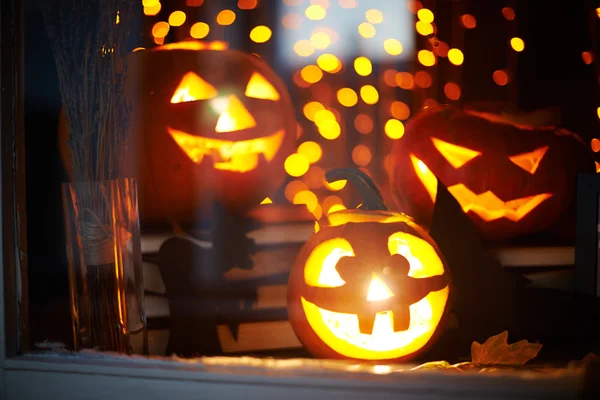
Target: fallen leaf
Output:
[(497, 351)]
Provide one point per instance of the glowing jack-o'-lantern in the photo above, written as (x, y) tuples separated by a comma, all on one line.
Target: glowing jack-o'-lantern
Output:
[(510, 179), (209, 124), (370, 285)]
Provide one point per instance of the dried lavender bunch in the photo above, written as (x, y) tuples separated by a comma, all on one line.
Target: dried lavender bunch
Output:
[(89, 43)]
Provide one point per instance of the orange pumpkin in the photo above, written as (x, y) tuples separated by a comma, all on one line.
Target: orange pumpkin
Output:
[(510, 179), (209, 124), (370, 285)]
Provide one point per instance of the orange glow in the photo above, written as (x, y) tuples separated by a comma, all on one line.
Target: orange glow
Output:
[(192, 88), (159, 40), (330, 201), (259, 88), (199, 30), (138, 49), (517, 44), (595, 145), (455, 56), (311, 109), (260, 34), (457, 156), (291, 21), (468, 21), (508, 13), (292, 188), (362, 66), (296, 165), (598, 12), (308, 198), (414, 6), (597, 167), (150, 3), (425, 15), (299, 81), (152, 10), (529, 161), (315, 12), (489, 207), (320, 40), (347, 97), (311, 150), (366, 30), (304, 48), (347, 3), (363, 124), (400, 110), (234, 116), (329, 129), (160, 29), (240, 156), (374, 16), (194, 45), (336, 186), (426, 57), (311, 74), (500, 77), (424, 28), (405, 80), (247, 4), (394, 129), (452, 91), (426, 177), (329, 63), (369, 94), (361, 155), (341, 331), (226, 17), (266, 201), (442, 49), (194, 3), (389, 77), (314, 178), (423, 79), (587, 57), (392, 47), (324, 115), (598, 112), (177, 18)]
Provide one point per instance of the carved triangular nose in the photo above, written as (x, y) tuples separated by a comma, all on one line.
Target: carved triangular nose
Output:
[(233, 116), (378, 290)]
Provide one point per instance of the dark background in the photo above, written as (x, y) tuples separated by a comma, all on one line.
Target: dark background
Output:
[(550, 72)]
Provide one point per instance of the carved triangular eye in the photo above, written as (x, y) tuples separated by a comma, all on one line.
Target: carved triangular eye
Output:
[(259, 88), (457, 156), (193, 88), (529, 161)]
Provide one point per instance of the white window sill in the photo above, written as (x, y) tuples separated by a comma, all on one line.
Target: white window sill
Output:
[(97, 376)]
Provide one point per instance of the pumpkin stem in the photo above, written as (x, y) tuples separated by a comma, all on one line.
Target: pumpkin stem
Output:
[(372, 199)]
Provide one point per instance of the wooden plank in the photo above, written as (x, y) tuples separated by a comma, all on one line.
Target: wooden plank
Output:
[(14, 236)]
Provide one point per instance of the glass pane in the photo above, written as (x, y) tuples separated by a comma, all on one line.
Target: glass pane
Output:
[(235, 110)]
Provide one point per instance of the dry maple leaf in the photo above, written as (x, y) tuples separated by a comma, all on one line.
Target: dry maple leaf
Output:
[(497, 351)]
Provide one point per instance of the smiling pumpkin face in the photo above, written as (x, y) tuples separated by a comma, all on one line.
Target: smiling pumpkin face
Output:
[(509, 179), (213, 125), (369, 286)]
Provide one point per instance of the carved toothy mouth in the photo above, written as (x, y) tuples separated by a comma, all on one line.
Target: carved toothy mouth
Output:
[(227, 155), (489, 207)]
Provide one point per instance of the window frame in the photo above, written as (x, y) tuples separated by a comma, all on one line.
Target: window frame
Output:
[(95, 376)]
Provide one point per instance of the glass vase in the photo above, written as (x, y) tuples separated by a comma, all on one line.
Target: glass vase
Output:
[(105, 266)]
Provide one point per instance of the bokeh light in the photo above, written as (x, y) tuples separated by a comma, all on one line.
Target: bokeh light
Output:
[(152, 10), (306, 197), (394, 129), (455, 56), (363, 124), (508, 13), (363, 66), (291, 21), (426, 58), (347, 97), (160, 29), (329, 63), (424, 28), (260, 34), (315, 12), (452, 91), (311, 109), (336, 186), (468, 21), (320, 40), (366, 30), (587, 57), (405, 80), (304, 48), (369, 94), (293, 187), (194, 3), (374, 16), (425, 15), (361, 155), (177, 18), (311, 150), (311, 74), (314, 177), (226, 17), (517, 44), (329, 129), (392, 47), (500, 77), (199, 30), (389, 77), (296, 165), (247, 4), (347, 3), (595, 145)]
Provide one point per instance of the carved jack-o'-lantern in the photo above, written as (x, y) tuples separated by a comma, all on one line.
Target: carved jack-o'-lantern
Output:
[(510, 179), (210, 124), (371, 285)]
